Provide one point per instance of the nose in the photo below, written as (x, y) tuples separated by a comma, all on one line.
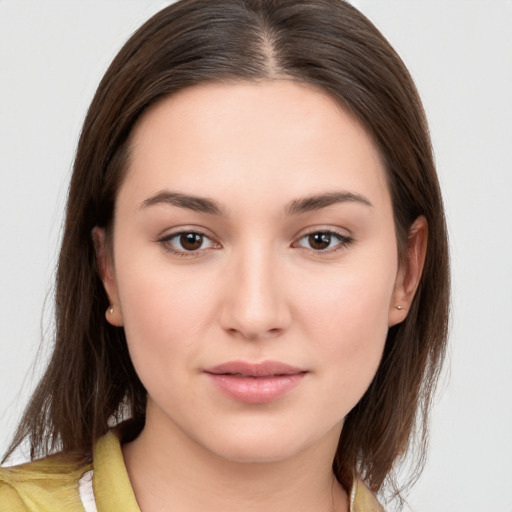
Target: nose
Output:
[(255, 304)]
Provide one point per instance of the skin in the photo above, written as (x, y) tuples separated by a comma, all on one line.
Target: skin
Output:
[(257, 289)]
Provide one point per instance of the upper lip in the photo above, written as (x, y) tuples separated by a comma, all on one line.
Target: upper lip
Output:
[(246, 369)]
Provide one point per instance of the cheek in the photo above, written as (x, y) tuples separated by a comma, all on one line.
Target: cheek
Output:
[(353, 325), (164, 312), (349, 323), (354, 299)]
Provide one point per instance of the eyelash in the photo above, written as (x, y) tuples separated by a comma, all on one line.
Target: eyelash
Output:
[(343, 242), (165, 242)]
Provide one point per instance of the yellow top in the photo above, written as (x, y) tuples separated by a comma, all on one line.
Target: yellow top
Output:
[(51, 484)]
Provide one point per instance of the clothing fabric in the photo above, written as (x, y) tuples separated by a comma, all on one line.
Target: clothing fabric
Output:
[(86, 492), (63, 483)]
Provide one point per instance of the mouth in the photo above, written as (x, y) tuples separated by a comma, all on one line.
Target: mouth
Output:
[(254, 370), (255, 383)]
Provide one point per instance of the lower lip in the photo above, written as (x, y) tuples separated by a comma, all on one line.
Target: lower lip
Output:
[(256, 390)]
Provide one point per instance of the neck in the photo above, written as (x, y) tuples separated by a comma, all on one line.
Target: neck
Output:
[(168, 469)]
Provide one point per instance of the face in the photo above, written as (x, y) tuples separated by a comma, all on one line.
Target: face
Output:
[(254, 266)]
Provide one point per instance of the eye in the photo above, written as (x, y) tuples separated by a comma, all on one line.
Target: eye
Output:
[(186, 242), (324, 241)]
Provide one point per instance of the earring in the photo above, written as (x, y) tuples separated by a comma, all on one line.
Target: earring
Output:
[(399, 308), (110, 310)]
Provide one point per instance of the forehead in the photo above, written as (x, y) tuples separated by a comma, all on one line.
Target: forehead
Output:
[(281, 136)]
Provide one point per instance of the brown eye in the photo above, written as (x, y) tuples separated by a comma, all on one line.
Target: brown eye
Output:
[(187, 243), (324, 241), (319, 241), (191, 241)]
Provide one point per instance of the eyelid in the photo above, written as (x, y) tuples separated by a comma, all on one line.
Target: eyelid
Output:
[(345, 239), (164, 241)]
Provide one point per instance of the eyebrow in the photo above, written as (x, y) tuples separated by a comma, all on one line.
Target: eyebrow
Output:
[(296, 207), (317, 202), (195, 203)]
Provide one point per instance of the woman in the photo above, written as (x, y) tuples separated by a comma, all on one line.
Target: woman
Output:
[(253, 273)]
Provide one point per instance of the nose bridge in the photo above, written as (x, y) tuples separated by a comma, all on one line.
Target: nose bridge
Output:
[(255, 304)]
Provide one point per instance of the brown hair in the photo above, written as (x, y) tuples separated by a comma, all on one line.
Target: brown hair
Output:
[(90, 382)]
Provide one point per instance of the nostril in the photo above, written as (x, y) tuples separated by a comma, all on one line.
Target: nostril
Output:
[(256, 334)]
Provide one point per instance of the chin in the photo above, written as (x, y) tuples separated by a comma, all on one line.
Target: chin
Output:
[(264, 444), (257, 453)]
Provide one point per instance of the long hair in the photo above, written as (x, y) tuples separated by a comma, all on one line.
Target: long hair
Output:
[(90, 383)]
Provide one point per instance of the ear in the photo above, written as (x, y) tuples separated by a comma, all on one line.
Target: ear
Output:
[(105, 264), (409, 273)]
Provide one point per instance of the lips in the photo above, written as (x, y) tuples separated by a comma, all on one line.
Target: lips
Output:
[(255, 383), (264, 369)]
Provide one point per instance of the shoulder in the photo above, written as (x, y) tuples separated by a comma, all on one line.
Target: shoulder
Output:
[(43, 483), (52, 484)]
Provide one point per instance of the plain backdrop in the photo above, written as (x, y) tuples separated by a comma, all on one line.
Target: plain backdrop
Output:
[(52, 56)]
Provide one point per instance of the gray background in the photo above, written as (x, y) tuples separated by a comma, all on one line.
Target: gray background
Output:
[(52, 55)]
